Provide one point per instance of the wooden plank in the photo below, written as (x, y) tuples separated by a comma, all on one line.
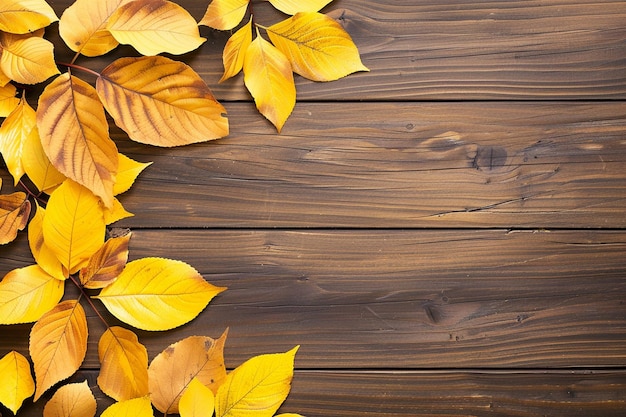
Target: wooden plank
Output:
[(449, 50), (398, 299)]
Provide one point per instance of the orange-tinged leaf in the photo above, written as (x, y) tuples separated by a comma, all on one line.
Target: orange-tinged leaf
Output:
[(73, 227), (58, 344), (71, 400), (83, 26), (155, 26), (294, 6), (197, 401), (17, 382), (8, 101), (124, 365), (14, 212), (317, 46), (44, 256), (162, 102), (28, 293), (235, 51), (115, 213), (4, 79), (13, 133), (137, 407), (269, 78), (37, 166), (158, 294), (224, 14), (106, 264), (172, 370), (256, 387), (75, 135), (28, 60), (24, 16), (127, 171)]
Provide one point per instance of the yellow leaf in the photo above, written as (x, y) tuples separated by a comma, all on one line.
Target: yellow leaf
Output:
[(13, 133), (288, 415), (197, 400), (28, 293), (8, 101), (106, 264), (75, 135), (71, 400), (44, 256), (224, 14), (14, 212), (124, 365), (73, 227), (28, 60), (235, 51), (24, 16), (294, 6), (127, 172), (158, 294), (17, 382), (4, 79), (83, 26), (37, 166), (172, 370), (137, 407), (317, 46), (58, 343), (155, 26), (115, 213), (269, 78), (161, 102)]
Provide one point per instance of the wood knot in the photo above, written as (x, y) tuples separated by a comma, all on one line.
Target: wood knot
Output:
[(489, 158)]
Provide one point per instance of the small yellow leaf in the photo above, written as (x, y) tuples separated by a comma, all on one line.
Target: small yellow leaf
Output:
[(127, 171), (24, 16), (116, 213), (257, 387), (294, 6), (197, 400), (28, 60), (106, 264), (73, 227), (317, 46), (235, 51), (137, 407), (17, 382), (224, 14), (155, 26), (75, 135), (162, 102), (37, 166), (172, 370), (14, 212), (8, 101), (28, 293), (13, 133), (269, 78), (158, 294), (58, 344), (71, 400), (124, 365), (44, 256), (288, 415)]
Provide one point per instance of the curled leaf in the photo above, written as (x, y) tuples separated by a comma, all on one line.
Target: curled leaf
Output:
[(294, 6), (224, 14), (28, 60), (14, 212), (25, 16), (235, 51), (137, 407), (197, 400), (71, 400), (106, 264), (17, 382)]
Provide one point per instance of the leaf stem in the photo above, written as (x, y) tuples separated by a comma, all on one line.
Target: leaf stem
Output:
[(32, 194), (79, 67), (81, 288)]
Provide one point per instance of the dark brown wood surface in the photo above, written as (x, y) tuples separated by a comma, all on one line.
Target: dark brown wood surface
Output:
[(443, 235)]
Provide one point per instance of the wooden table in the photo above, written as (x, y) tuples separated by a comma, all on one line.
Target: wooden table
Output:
[(444, 235)]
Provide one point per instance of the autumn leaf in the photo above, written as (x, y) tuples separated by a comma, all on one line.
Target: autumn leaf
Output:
[(75, 135), (317, 46), (71, 400), (158, 294), (197, 400), (24, 16), (162, 102), (137, 407), (155, 26), (269, 78), (14, 212), (123, 365), (235, 51), (15, 129), (127, 171), (26, 294), (262, 384), (224, 14), (115, 213), (44, 256), (106, 264), (8, 101), (172, 370), (27, 60), (17, 382), (37, 166), (58, 343), (294, 6)]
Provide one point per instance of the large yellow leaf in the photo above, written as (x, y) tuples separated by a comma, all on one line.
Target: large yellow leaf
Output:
[(44, 256), (294, 6), (158, 294), (123, 365), (83, 26), (235, 51), (106, 264), (269, 78), (162, 102), (18, 126), (71, 400), (37, 166), (137, 407), (224, 14), (58, 343), (317, 46), (127, 171), (155, 26), (172, 370), (75, 135), (73, 227), (17, 382), (197, 401), (8, 101), (14, 212), (28, 293), (24, 16), (28, 60), (257, 387)]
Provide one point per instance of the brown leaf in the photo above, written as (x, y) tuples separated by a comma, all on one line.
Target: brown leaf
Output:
[(14, 212), (106, 264)]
